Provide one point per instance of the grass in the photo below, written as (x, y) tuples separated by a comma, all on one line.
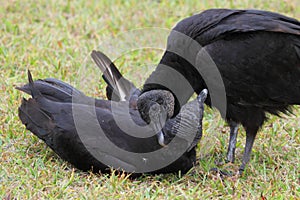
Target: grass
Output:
[(54, 39)]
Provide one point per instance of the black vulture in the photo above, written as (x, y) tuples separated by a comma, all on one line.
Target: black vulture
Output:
[(49, 114), (257, 55)]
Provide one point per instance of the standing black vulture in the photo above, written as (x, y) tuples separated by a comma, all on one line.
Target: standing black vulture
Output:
[(257, 54), (49, 114)]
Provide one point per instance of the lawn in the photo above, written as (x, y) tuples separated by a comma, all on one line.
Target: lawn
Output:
[(54, 39)]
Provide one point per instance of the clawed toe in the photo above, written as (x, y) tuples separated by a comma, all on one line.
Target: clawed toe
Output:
[(222, 173), (240, 172)]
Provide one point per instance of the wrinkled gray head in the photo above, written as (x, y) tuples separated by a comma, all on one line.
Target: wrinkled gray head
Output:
[(187, 125), (162, 100), (156, 107)]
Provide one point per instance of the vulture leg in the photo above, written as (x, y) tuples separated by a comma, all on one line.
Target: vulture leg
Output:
[(250, 137), (234, 127)]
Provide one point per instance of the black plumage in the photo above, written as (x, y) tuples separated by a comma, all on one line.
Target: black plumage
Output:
[(49, 114), (257, 54)]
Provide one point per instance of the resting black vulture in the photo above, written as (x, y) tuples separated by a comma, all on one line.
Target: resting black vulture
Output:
[(49, 114), (257, 54)]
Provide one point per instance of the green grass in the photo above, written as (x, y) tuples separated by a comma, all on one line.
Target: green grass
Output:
[(53, 39)]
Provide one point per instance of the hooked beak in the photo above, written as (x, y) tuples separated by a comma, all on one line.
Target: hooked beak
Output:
[(158, 118), (157, 127), (161, 138)]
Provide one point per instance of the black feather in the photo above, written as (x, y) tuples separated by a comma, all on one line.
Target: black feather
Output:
[(52, 119), (256, 54)]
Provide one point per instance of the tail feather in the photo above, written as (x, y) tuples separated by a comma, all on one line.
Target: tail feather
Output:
[(110, 93), (35, 93), (117, 84), (51, 92), (53, 89), (64, 86), (106, 66), (35, 119)]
